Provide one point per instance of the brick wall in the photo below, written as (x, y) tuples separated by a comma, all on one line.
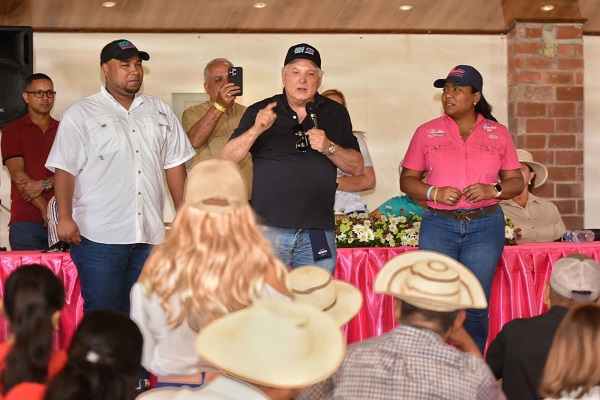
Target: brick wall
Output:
[(545, 107)]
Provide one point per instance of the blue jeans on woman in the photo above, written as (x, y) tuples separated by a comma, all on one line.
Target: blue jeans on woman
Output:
[(294, 249), (478, 245), (107, 272)]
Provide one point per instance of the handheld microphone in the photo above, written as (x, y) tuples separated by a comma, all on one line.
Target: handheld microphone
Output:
[(311, 111)]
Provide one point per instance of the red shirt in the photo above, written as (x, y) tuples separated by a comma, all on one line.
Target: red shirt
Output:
[(438, 148), (32, 390), (22, 138)]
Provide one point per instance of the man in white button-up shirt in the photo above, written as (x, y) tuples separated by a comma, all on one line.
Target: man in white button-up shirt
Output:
[(109, 155)]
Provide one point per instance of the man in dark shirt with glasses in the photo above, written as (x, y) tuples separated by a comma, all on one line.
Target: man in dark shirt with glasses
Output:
[(26, 143), (294, 172)]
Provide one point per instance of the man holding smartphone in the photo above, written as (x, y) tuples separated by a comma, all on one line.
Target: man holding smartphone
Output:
[(209, 125), (294, 183)]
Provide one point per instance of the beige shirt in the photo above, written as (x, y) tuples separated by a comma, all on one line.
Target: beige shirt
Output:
[(223, 131), (539, 221)]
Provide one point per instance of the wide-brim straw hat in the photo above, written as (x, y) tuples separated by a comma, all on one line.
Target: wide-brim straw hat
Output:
[(431, 281), (315, 285), (215, 186), (541, 172), (274, 343)]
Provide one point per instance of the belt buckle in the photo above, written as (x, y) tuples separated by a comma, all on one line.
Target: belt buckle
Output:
[(463, 216)]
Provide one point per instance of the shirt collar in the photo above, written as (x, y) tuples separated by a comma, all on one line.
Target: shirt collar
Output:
[(29, 122), (137, 100)]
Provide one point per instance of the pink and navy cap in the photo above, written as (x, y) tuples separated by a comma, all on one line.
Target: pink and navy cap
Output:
[(462, 75), (121, 49)]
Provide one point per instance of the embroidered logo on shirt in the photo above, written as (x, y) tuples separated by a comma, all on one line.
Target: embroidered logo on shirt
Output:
[(435, 132), (488, 127), (493, 137)]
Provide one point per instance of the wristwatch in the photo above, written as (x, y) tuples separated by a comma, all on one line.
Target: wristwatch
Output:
[(498, 190), (47, 185), (330, 149)]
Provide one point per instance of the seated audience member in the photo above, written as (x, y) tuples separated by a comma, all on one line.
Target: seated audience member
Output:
[(267, 351), (215, 260), (518, 354), (538, 218), (314, 285), (398, 204), (347, 198), (573, 371), (104, 358), (431, 292), (33, 300)]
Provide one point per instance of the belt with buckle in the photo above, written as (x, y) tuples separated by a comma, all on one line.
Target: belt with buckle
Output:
[(462, 215)]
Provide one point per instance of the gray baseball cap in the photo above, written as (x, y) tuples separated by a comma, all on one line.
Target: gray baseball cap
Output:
[(576, 277)]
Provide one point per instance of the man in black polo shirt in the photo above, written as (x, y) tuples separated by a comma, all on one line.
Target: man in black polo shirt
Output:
[(294, 187)]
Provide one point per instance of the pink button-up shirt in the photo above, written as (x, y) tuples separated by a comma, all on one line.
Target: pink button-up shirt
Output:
[(437, 148)]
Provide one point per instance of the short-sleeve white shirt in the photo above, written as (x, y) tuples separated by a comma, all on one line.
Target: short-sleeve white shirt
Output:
[(118, 158)]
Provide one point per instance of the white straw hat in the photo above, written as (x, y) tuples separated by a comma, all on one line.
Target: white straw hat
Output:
[(274, 343), (315, 285), (541, 172), (431, 281)]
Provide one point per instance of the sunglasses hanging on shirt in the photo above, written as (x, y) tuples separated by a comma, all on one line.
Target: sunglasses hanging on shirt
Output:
[(302, 144)]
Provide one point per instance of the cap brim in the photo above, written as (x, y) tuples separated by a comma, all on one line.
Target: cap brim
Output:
[(472, 295), (129, 53), (439, 83)]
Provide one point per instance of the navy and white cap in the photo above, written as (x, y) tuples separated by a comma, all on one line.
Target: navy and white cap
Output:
[(462, 75), (121, 49)]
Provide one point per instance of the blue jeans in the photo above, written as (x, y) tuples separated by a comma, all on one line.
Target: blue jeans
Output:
[(293, 247), (27, 236), (107, 272), (478, 245)]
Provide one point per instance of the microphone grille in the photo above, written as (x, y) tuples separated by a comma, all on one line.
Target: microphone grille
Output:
[(310, 108)]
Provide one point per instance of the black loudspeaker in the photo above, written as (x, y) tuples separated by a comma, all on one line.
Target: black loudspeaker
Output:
[(16, 64)]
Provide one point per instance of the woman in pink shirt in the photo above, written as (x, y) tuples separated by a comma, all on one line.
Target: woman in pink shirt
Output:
[(463, 152)]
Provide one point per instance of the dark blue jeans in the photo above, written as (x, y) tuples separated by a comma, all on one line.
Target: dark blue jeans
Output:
[(27, 236), (478, 245), (107, 272)]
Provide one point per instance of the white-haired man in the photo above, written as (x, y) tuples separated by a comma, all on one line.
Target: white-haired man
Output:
[(296, 160)]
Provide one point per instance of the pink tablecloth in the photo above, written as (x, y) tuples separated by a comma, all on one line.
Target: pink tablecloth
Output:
[(63, 267), (516, 291)]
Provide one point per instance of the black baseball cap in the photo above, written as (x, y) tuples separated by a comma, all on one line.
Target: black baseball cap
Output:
[(121, 49), (305, 51), (462, 75)]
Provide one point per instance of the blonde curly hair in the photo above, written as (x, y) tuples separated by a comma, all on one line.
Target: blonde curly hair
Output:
[(212, 264)]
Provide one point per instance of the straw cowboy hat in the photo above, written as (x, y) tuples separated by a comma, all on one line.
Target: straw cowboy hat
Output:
[(541, 172), (315, 285), (274, 343), (215, 186), (431, 281)]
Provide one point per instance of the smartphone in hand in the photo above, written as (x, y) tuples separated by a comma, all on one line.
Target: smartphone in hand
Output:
[(235, 75)]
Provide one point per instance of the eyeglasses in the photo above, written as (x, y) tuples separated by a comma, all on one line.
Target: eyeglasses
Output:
[(40, 93), (302, 144)]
